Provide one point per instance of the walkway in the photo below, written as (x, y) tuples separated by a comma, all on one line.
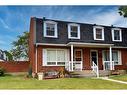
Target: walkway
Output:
[(118, 81)]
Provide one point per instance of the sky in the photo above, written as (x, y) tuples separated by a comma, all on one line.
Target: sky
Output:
[(14, 20)]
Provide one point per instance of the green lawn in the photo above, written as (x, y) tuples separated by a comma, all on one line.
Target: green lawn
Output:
[(120, 77), (19, 82)]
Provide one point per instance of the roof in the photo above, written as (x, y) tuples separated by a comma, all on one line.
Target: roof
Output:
[(86, 33)]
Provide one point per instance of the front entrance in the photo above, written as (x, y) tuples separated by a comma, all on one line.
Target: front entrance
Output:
[(94, 56), (77, 54), (77, 63)]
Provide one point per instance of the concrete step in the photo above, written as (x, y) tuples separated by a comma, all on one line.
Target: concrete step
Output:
[(89, 73), (85, 73), (104, 72)]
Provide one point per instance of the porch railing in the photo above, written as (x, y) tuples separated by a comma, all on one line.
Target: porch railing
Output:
[(74, 66), (108, 66), (95, 68)]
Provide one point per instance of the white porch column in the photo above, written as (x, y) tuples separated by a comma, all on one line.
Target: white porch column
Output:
[(110, 55), (72, 57)]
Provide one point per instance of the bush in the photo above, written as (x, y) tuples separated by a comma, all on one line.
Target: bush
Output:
[(2, 71)]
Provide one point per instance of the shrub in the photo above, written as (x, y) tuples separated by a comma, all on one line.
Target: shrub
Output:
[(2, 71)]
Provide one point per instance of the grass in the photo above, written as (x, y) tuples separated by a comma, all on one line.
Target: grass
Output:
[(120, 77), (19, 82)]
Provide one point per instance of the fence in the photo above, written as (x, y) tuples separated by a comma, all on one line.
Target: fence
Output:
[(15, 66)]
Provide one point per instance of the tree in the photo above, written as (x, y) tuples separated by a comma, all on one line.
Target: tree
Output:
[(123, 11), (20, 47), (9, 55)]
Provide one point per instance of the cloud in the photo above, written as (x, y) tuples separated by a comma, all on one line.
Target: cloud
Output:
[(106, 17), (4, 24)]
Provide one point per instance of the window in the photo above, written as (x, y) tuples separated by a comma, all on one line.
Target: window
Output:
[(50, 29), (116, 57), (98, 33), (55, 57), (73, 31), (116, 34)]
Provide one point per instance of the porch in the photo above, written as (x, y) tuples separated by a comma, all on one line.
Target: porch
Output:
[(91, 59)]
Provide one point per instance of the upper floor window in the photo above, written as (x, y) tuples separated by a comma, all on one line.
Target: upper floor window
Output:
[(50, 29), (74, 31), (98, 33), (116, 34)]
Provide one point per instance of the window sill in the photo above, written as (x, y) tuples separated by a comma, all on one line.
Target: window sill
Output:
[(51, 36), (73, 38), (53, 65), (117, 40), (99, 39)]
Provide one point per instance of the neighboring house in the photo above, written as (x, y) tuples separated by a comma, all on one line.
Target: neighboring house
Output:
[(55, 44), (3, 56)]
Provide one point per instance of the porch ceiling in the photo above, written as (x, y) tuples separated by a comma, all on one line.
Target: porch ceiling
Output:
[(96, 45)]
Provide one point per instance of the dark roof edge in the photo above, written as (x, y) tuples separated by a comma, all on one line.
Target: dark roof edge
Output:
[(112, 26)]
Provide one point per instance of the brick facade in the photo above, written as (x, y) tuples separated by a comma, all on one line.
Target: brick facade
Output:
[(86, 59)]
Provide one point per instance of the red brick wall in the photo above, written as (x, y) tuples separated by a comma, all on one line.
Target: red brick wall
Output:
[(124, 60), (15, 66), (31, 44), (86, 59)]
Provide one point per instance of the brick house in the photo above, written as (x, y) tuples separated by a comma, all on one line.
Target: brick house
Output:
[(56, 44)]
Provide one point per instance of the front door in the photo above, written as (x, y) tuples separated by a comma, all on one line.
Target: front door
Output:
[(77, 65), (94, 56), (77, 54)]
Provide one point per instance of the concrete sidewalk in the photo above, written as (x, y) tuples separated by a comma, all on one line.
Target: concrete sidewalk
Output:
[(118, 81)]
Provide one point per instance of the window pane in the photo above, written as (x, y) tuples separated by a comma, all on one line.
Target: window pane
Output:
[(106, 56), (98, 33), (51, 63), (74, 31), (60, 63), (51, 55), (61, 56), (115, 57), (74, 28), (116, 35), (50, 29)]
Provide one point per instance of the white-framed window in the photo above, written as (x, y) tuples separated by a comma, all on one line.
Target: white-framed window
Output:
[(55, 57), (73, 31), (98, 33), (116, 56), (116, 34), (50, 29)]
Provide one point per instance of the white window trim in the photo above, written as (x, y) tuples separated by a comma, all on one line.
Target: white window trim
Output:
[(94, 32), (69, 31), (113, 34), (119, 57), (45, 33), (45, 56)]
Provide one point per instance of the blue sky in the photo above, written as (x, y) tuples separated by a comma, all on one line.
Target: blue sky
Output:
[(14, 20)]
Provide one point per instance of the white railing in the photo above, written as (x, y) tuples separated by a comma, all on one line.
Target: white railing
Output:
[(95, 68), (108, 66), (74, 66)]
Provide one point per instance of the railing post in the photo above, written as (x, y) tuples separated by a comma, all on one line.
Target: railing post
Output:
[(72, 56), (110, 55), (81, 65)]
